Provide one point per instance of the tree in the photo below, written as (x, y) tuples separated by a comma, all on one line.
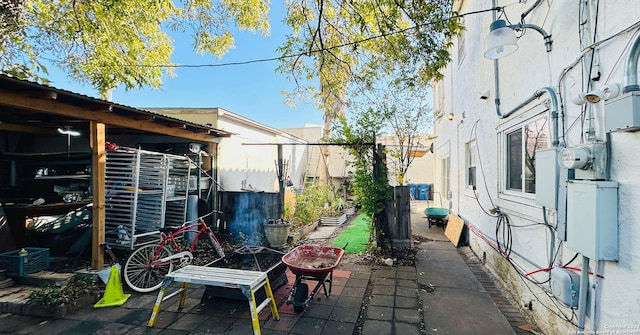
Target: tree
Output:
[(409, 117), (348, 45), (109, 43)]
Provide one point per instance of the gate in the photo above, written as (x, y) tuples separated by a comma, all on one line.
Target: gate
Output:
[(397, 217)]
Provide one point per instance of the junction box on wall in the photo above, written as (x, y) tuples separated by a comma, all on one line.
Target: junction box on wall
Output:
[(592, 218), (623, 113), (565, 285), (547, 176)]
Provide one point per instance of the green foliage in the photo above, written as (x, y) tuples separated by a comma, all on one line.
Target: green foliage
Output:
[(55, 296), (310, 204), (410, 117), (370, 184), (110, 43), (352, 45), (288, 212)]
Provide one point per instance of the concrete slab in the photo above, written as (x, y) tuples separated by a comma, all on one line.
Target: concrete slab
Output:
[(445, 268), (460, 311), (322, 232)]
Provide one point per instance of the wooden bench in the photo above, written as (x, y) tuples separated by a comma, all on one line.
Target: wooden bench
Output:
[(245, 280)]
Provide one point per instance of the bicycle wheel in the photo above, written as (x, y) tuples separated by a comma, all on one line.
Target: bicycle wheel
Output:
[(137, 271)]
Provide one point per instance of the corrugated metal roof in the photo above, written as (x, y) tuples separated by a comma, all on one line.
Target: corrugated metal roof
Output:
[(37, 91)]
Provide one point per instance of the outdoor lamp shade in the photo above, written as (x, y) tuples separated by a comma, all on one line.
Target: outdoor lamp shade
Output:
[(501, 41)]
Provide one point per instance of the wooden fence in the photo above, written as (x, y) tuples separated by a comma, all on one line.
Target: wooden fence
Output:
[(397, 217)]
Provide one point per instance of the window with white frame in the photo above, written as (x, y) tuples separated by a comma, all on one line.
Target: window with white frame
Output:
[(521, 144), (470, 163), (445, 164)]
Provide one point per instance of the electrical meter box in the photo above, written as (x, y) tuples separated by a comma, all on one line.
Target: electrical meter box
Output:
[(623, 113), (565, 285), (547, 171), (592, 218)]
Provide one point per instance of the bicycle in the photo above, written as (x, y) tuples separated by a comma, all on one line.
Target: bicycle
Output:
[(145, 268)]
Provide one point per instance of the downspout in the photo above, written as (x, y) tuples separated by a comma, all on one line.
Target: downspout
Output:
[(631, 67)]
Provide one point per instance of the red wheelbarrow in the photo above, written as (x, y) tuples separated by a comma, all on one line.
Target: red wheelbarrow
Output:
[(310, 262)]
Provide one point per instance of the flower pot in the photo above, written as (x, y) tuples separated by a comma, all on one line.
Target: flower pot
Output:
[(277, 233)]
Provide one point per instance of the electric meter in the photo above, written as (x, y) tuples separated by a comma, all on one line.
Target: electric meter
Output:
[(575, 158)]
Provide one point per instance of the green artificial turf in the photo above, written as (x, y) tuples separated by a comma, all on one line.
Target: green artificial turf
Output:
[(357, 235)]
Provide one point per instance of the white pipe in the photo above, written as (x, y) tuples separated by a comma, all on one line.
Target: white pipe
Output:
[(584, 290), (594, 287), (631, 67), (598, 117)]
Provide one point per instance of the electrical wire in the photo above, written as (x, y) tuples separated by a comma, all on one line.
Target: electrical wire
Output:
[(503, 229), (312, 51), (473, 134), (504, 243)]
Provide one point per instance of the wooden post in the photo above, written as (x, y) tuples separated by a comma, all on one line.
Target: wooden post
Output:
[(280, 183), (98, 171)]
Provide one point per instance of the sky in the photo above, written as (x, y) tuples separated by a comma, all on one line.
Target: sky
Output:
[(251, 90)]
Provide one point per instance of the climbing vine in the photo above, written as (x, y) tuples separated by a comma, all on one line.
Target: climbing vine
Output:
[(370, 181)]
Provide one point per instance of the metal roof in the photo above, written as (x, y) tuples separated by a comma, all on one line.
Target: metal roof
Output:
[(25, 105)]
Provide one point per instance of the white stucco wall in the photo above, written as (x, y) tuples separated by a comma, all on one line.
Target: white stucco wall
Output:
[(241, 163), (245, 162), (530, 68)]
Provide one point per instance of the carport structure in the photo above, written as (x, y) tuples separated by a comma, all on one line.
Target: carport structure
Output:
[(30, 110)]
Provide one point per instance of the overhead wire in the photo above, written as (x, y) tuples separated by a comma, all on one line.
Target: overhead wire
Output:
[(313, 51)]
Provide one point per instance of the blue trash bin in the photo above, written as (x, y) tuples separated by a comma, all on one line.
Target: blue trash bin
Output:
[(412, 190), (423, 191)]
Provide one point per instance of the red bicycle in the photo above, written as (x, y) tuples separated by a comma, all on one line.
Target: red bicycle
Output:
[(145, 268)]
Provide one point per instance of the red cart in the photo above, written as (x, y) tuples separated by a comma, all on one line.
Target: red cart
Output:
[(310, 262)]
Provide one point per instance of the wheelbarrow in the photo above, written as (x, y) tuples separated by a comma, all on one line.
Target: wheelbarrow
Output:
[(436, 215), (310, 262)]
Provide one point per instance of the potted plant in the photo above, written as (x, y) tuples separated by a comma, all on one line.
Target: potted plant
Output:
[(277, 232)]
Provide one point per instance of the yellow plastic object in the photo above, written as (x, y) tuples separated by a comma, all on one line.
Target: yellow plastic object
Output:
[(113, 294)]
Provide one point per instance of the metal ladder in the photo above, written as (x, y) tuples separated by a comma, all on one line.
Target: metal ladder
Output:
[(313, 162), (245, 280)]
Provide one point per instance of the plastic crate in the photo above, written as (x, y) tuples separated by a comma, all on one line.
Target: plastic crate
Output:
[(20, 265)]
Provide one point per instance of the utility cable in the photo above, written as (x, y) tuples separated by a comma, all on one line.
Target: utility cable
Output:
[(313, 51)]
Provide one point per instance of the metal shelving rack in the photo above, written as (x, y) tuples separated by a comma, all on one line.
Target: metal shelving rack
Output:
[(145, 191)]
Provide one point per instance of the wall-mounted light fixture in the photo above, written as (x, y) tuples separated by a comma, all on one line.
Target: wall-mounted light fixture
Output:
[(604, 93), (450, 116), (502, 40)]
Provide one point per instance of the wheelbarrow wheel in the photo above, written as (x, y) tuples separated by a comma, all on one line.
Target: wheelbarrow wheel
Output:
[(302, 291)]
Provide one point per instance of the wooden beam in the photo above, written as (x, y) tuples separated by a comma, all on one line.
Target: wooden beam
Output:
[(98, 172), (10, 98), (144, 117), (25, 129)]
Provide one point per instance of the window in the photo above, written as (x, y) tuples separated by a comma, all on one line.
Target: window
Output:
[(522, 143), (445, 163), (470, 164)]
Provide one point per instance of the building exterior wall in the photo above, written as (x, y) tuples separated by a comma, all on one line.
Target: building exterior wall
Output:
[(421, 170), (247, 159), (483, 123)]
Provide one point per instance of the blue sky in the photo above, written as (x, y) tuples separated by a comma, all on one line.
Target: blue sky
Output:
[(252, 90)]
